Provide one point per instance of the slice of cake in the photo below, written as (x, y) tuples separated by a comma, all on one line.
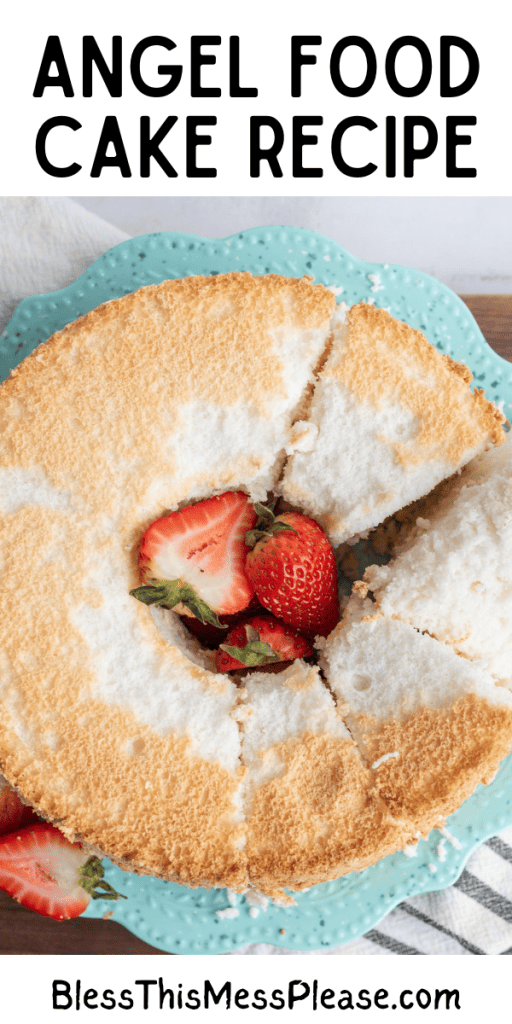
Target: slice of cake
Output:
[(312, 811), (453, 575), (390, 418), (431, 724)]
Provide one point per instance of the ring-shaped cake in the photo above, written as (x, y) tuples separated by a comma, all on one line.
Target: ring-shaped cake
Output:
[(114, 725)]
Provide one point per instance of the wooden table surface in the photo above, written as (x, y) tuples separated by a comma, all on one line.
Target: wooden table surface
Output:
[(22, 931)]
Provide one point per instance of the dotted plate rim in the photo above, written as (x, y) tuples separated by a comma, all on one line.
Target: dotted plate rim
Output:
[(169, 916)]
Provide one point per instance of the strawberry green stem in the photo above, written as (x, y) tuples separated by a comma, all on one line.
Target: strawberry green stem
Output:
[(92, 878), (266, 526), (255, 652), (169, 593)]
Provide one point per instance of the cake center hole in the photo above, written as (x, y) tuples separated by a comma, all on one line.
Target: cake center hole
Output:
[(238, 585)]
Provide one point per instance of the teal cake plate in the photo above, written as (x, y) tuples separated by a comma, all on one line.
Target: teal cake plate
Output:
[(185, 921)]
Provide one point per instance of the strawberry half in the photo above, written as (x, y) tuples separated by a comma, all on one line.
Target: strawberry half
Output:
[(260, 640), (43, 871), (293, 571), (193, 560)]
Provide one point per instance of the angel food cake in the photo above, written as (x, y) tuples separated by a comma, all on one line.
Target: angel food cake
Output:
[(198, 401)]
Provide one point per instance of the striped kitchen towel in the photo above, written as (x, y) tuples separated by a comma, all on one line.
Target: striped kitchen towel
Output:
[(471, 918)]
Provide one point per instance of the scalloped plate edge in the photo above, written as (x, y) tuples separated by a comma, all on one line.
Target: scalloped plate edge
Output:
[(455, 859)]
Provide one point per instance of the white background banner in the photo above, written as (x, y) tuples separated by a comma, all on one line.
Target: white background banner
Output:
[(139, 988), (125, 103)]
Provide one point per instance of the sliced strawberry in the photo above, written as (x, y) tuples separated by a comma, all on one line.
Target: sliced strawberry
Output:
[(293, 571), (260, 640), (14, 813), (43, 871), (193, 560)]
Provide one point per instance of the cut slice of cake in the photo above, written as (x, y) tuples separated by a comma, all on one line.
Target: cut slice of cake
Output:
[(453, 575), (390, 417), (312, 811), (430, 723)]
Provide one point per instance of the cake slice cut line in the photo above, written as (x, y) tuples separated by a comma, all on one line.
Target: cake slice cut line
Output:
[(398, 414), (444, 717), (312, 812), (466, 543)]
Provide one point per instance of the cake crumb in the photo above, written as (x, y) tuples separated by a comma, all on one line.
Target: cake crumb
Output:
[(229, 912), (107, 915), (384, 758), (441, 850), (282, 931), (376, 285), (411, 850), (285, 902), (255, 899), (253, 912), (432, 868), (231, 895), (451, 839)]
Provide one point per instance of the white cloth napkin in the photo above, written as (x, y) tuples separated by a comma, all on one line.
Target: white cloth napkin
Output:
[(45, 244)]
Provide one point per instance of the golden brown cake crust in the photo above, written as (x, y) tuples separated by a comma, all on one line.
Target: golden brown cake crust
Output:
[(402, 366), (319, 819), (123, 364), (443, 755), (100, 797), (82, 423)]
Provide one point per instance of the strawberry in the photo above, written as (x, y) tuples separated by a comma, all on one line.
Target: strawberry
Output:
[(43, 871), (13, 813), (293, 571), (260, 640), (193, 560)]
